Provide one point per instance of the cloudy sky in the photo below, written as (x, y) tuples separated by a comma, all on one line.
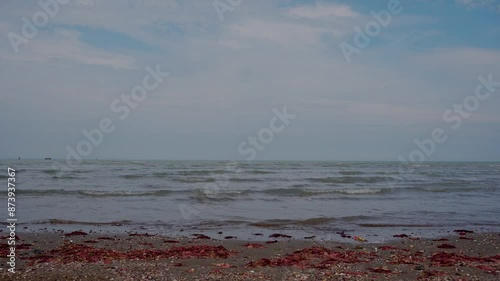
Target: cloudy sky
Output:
[(229, 68)]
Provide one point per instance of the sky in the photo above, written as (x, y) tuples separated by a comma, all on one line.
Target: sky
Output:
[(234, 66)]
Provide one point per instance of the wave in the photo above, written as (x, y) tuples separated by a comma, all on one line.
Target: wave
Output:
[(55, 171), (218, 195), (259, 172), (354, 191), (350, 173), (201, 172), (394, 225), (245, 180), (59, 221), (308, 222), (349, 179), (298, 190), (96, 193), (452, 189), (50, 172), (65, 177), (303, 192), (193, 180), (133, 176), (161, 174)]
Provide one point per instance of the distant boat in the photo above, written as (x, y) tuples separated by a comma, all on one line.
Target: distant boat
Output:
[(48, 158)]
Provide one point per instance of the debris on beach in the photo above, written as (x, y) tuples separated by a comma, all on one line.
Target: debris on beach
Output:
[(464, 238), (171, 241), (382, 269), (360, 239), (463, 231), (200, 236), (253, 246), (223, 265), (278, 235), (441, 240), (140, 234), (76, 233), (343, 235)]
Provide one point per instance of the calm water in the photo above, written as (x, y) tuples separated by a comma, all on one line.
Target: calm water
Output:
[(300, 198)]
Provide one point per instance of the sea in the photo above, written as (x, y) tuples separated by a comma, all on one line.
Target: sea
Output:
[(251, 200)]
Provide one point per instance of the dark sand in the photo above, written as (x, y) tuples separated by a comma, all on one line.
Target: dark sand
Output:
[(59, 256)]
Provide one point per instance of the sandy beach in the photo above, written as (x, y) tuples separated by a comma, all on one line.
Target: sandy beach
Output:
[(85, 256)]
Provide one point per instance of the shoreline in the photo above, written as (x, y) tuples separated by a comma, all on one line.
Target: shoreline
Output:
[(77, 255)]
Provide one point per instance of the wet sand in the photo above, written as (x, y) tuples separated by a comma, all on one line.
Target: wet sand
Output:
[(82, 256)]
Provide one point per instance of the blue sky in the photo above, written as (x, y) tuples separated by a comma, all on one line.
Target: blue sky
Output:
[(227, 76)]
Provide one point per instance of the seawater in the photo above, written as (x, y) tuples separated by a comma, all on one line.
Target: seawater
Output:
[(375, 199)]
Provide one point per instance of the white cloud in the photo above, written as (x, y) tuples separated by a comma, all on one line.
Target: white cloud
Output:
[(459, 57), (320, 11), (290, 34), (479, 3), (64, 45)]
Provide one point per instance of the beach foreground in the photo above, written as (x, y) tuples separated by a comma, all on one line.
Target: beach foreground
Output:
[(80, 256)]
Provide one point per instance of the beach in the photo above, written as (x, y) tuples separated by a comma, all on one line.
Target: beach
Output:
[(267, 220), (77, 255)]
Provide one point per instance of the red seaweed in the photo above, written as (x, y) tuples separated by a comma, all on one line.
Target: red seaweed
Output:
[(446, 246), (380, 270), (385, 248), (85, 253), (316, 257), (432, 273), (76, 233), (488, 269), (449, 259), (90, 241), (105, 238)]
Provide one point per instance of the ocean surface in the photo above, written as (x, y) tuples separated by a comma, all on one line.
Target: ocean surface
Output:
[(373, 199)]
